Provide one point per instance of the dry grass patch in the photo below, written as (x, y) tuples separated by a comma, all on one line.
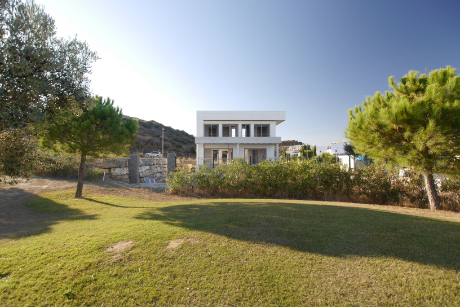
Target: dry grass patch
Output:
[(117, 249), (173, 244), (120, 247)]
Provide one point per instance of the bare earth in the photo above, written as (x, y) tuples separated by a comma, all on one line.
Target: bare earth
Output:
[(16, 218)]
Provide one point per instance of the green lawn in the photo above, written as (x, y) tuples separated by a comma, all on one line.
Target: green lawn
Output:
[(234, 252)]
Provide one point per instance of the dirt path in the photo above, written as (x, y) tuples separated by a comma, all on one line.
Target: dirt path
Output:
[(16, 218)]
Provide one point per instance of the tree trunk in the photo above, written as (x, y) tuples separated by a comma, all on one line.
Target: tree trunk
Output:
[(81, 174), (431, 191)]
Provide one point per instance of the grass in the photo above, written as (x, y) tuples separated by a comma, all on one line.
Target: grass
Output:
[(229, 253)]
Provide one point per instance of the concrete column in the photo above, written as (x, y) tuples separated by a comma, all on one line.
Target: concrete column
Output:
[(197, 153), (201, 153), (277, 152), (273, 129), (133, 168), (237, 155)]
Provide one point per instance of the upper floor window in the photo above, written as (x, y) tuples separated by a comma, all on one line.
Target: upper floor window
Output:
[(261, 130), (230, 131), (245, 132), (211, 130)]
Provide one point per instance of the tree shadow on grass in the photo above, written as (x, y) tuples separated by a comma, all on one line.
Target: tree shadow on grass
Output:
[(20, 220), (323, 229), (113, 205)]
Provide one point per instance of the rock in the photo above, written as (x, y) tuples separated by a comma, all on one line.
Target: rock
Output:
[(119, 171), (115, 163)]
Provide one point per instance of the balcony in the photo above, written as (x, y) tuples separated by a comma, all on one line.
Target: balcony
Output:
[(238, 140)]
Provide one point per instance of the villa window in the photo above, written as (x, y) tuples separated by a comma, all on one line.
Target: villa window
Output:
[(245, 131), (261, 130), (230, 131), (211, 130), (254, 156)]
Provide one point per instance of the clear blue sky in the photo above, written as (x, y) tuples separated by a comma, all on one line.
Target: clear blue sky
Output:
[(164, 60)]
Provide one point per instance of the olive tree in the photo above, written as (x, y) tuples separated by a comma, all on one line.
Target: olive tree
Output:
[(41, 75)]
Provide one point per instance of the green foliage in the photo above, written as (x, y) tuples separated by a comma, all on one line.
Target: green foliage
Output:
[(18, 155), (450, 193), (416, 125), (40, 76), (58, 165), (95, 131), (94, 173), (63, 165), (40, 73), (307, 179), (349, 150), (326, 157), (307, 151)]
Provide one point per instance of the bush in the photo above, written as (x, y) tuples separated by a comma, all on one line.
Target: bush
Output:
[(287, 179), (58, 165), (65, 166), (450, 193), (311, 179)]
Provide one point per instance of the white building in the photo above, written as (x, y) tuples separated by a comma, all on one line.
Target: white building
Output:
[(225, 135), (337, 149)]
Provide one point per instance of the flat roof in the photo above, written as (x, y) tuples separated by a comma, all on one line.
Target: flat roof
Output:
[(278, 116)]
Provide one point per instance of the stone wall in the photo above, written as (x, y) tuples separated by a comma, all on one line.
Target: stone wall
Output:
[(117, 169)]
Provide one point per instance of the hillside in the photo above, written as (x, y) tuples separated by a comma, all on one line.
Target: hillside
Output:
[(149, 139)]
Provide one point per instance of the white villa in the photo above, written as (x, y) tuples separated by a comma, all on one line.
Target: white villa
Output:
[(225, 135)]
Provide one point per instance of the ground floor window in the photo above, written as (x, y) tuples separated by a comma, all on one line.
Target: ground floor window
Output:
[(255, 156), (215, 157)]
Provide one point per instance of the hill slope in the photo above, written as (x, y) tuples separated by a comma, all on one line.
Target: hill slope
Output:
[(149, 139)]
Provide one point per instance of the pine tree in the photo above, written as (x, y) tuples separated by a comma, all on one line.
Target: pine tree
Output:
[(416, 125), (96, 130)]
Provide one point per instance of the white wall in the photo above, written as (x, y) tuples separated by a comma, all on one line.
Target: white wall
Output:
[(347, 161), (238, 117), (270, 149), (200, 129), (332, 150)]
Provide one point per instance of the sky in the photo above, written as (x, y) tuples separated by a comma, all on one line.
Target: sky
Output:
[(315, 59)]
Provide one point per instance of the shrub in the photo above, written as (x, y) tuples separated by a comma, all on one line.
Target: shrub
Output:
[(65, 166), (450, 193), (304, 179), (311, 179)]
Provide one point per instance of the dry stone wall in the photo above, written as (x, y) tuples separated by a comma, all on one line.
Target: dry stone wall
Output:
[(117, 169)]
